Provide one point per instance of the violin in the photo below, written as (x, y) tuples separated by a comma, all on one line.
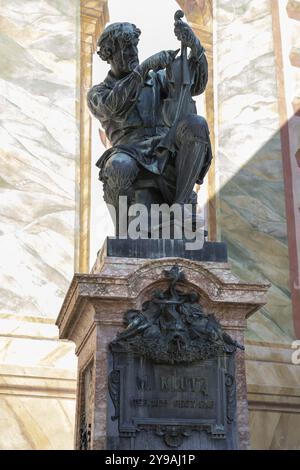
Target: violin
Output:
[(179, 102)]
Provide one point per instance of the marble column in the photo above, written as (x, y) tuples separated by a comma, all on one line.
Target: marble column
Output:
[(94, 16), (39, 136)]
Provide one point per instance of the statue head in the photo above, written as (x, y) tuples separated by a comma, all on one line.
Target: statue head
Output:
[(117, 45)]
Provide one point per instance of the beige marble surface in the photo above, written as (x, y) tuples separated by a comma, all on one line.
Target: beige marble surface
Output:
[(274, 431), (37, 408), (274, 397), (24, 342), (39, 148), (37, 385), (249, 159), (38, 152)]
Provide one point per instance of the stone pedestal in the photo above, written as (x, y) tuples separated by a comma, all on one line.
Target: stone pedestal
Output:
[(92, 315)]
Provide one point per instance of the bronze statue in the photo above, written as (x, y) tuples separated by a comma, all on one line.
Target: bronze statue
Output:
[(160, 146)]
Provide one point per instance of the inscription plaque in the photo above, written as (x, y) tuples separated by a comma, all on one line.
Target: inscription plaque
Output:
[(171, 381)]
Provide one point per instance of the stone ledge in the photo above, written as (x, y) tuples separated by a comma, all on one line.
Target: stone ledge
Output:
[(124, 279), (28, 327), (274, 403), (47, 373), (28, 352), (37, 382)]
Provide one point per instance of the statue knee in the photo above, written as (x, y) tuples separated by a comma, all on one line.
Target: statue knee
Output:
[(120, 170), (193, 128), (119, 173)]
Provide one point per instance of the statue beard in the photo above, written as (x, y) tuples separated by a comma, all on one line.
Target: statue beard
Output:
[(129, 64)]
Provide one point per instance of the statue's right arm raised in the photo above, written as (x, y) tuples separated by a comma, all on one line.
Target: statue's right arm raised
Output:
[(116, 96)]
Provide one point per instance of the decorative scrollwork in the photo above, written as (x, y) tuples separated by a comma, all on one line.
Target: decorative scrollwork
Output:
[(172, 327), (173, 435)]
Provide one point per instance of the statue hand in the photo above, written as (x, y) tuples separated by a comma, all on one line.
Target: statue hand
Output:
[(158, 61), (185, 34)]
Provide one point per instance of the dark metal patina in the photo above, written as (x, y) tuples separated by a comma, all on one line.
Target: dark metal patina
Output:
[(160, 146)]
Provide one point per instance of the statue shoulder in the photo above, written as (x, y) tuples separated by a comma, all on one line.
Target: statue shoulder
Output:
[(96, 98), (96, 90)]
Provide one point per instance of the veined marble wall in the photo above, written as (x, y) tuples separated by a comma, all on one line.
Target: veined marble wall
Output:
[(252, 195), (249, 159), (289, 20), (39, 140), (273, 388), (39, 147)]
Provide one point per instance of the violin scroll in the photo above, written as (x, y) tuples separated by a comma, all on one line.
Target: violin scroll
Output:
[(183, 32), (178, 15)]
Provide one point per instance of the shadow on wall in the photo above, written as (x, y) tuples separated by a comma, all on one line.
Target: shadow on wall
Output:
[(251, 212), (253, 222)]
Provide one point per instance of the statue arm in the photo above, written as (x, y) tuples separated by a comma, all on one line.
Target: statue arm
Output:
[(199, 68), (104, 101), (119, 99)]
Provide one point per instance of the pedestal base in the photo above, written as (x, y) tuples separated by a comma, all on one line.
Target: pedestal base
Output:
[(163, 248), (190, 413)]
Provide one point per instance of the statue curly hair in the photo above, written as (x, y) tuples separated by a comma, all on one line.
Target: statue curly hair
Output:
[(114, 36)]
